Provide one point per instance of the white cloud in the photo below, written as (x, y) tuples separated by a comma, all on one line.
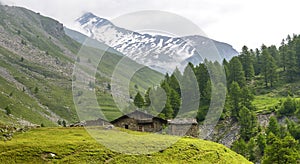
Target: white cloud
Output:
[(236, 22)]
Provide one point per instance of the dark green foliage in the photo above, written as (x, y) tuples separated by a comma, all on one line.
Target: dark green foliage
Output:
[(147, 98), (273, 126), (36, 90), (64, 123), (23, 42), (7, 110), (261, 143), (291, 65), (283, 55), (248, 123), (294, 129), (257, 62), (281, 150), (246, 59), (252, 150), (240, 146), (246, 98), (268, 68), (236, 72), (288, 107), (138, 100), (168, 111), (235, 98), (175, 101), (59, 122)]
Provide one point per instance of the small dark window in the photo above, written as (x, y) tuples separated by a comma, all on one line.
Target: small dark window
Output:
[(126, 126), (140, 128)]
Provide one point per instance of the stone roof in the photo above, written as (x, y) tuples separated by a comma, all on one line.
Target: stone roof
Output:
[(140, 116), (183, 121)]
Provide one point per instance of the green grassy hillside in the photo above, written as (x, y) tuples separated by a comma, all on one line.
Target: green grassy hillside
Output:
[(74, 145), (36, 66)]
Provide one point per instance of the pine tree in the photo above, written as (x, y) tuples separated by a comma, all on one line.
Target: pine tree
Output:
[(257, 62), (297, 52), (252, 150), (235, 97), (168, 111), (138, 100), (273, 126), (236, 72), (174, 84), (274, 53), (283, 54), (240, 147), (288, 108), (262, 143), (64, 123), (7, 110), (248, 123), (268, 67), (147, 98), (174, 102), (247, 63), (281, 150), (246, 98), (291, 65)]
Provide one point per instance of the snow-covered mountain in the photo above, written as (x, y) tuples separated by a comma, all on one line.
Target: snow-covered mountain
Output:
[(161, 53)]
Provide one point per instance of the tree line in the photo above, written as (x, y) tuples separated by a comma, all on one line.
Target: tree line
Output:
[(264, 68)]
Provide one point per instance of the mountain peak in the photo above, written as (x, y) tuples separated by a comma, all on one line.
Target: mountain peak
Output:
[(90, 18)]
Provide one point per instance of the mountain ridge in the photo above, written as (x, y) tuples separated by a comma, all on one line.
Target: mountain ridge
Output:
[(165, 52)]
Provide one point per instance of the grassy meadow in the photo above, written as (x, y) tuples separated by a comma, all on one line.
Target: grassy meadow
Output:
[(75, 145)]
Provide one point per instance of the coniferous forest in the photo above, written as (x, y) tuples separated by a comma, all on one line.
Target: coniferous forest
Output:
[(268, 71)]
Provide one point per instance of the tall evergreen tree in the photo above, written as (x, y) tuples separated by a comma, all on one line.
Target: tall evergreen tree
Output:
[(247, 62), (235, 97), (240, 147), (262, 143), (291, 65), (248, 122), (274, 53), (268, 67), (246, 98), (175, 102), (147, 98), (236, 72), (138, 100), (257, 62), (297, 51), (283, 54), (281, 151), (252, 150), (273, 126)]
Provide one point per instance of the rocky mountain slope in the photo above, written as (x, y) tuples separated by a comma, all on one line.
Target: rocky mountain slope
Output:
[(162, 53)]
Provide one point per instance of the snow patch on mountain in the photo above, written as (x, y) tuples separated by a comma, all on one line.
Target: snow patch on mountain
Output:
[(161, 53)]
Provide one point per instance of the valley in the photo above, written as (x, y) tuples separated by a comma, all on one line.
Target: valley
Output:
[(52, 77)]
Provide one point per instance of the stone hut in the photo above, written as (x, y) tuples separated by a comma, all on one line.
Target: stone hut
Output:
[(183, 126), (98, 122), (140, 121)]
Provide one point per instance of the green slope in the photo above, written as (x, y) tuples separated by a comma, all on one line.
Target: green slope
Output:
[(74, 145), (36, 66)]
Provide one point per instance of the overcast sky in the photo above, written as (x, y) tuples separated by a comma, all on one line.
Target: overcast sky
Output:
[(237, 22)]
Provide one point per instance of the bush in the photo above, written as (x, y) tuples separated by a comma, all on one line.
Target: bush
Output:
[(7, 110), (288, 107)]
